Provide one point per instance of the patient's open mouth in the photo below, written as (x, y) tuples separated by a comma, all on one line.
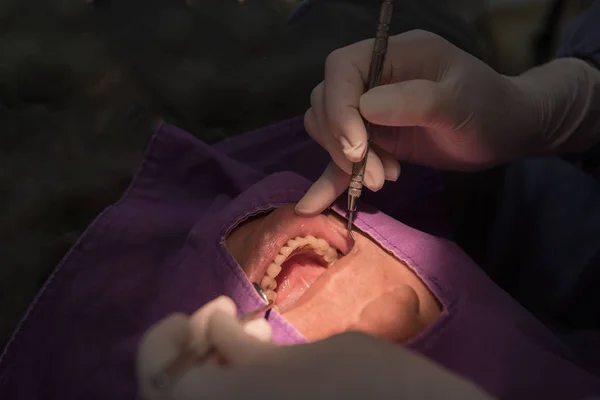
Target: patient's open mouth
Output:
[(285, 254), (322, 283), (299, 263)]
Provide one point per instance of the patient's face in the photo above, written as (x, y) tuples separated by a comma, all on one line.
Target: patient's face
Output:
[(322, 285)]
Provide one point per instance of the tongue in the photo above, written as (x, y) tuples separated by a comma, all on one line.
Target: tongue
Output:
[(297, 275)]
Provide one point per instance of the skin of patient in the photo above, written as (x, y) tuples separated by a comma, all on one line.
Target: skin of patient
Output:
[(366, 289)]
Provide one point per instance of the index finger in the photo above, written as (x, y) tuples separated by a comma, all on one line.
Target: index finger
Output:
[(346, 71)]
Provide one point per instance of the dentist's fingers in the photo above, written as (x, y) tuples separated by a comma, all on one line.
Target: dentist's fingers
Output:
[(213, 326), (419, 102), (374, 174), (172, 336), (234, 343), (199, 321), (324, 191), (346, 73), (341, 100), (317, 126), (159, 346), (391, 166), (237, 343), (334, 181), (216, 325), (260, 329)]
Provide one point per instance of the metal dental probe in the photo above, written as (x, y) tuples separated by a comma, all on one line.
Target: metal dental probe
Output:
[(375, 71), (189, 358)]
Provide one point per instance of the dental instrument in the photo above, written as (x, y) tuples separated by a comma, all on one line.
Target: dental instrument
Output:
[(186, 360), (375, 71)]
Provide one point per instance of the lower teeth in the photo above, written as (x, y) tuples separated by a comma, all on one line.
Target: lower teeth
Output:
[(271, 295)]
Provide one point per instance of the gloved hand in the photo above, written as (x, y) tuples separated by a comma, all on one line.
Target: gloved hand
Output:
[(349, 365), (441, 107)]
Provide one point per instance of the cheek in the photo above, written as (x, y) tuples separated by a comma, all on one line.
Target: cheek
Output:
[(243, 241), (319, 321), (392, 315)]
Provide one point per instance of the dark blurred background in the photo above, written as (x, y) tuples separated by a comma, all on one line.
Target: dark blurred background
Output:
[(82, 83)]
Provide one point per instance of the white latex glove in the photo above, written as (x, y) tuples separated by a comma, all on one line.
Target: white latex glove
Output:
[(441, 107), (213, 326), (350, 365)]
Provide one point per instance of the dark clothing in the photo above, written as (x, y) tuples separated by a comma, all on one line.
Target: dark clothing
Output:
[(583, 37), (534, 226)]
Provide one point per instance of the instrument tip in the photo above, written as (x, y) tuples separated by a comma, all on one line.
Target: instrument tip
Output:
[(350, 225)]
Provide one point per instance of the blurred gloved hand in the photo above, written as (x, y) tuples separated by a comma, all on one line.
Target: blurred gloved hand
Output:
[(441, 107), (349, 365), (213, 326)]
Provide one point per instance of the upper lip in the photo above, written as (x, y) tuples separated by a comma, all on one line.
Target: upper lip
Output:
[(286, 226)]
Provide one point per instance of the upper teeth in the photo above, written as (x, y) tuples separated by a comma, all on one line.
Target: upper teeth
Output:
[(319, 246)]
